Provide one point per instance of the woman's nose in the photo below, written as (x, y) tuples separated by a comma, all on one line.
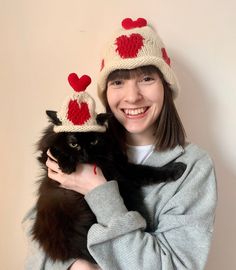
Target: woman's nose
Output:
[(132, 92)]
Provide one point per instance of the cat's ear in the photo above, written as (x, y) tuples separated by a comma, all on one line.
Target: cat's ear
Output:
[(102, 118), (53, 117)]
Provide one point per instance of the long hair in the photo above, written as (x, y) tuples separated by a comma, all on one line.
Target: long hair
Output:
[(169, 130)]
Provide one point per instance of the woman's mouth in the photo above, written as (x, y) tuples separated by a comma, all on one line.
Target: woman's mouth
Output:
[(135, 112)]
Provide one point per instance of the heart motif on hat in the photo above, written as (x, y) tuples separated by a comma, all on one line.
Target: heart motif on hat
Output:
[(128, 23), (79, 84), (78, 114), (165, 56), (129, 46)]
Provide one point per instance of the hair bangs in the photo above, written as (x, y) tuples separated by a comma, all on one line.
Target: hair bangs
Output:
[(126, 74)]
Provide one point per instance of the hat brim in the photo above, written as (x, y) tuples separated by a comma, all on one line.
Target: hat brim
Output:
[(76, 128)]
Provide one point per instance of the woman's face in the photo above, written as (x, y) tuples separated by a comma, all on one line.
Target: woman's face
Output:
[(137, 103)]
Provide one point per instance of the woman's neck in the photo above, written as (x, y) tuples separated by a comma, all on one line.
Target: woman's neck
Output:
[(139, 139)]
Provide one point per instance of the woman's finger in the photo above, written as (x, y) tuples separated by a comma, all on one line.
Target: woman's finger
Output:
[(51, 164), (51, 156), (52, 175)]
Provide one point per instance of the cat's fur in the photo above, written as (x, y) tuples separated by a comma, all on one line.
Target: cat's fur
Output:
[(63, 216)]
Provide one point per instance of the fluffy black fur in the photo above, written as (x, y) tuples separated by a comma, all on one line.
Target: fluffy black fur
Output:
[(63, 216)]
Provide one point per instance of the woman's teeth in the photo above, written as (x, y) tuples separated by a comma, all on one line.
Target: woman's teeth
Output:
[(135, 111)]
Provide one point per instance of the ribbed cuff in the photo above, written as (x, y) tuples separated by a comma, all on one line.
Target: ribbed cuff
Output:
[(106, 202)]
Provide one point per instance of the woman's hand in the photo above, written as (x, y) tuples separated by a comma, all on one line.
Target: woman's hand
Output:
[(84, 179), (84, 265)]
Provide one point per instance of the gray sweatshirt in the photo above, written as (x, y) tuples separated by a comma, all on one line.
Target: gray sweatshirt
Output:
[(171, 229)]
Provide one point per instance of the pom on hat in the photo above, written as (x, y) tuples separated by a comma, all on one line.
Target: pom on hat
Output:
[(78, 113), (128, 23), (136, 44), (79, 84)]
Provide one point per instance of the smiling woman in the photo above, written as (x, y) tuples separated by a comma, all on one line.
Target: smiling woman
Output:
[(171, 227), (142, 102), (136, 103)]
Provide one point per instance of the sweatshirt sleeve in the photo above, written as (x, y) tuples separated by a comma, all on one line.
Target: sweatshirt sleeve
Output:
[(183, 230)]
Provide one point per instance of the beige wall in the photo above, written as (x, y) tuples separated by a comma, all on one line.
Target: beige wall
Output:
[(42, 41)]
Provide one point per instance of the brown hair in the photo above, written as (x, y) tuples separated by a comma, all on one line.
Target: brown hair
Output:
[(169, 128)]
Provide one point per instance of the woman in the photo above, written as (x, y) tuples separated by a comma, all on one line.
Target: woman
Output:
[(172, 228)]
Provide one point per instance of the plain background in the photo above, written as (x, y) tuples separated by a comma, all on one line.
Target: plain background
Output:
[(41, 42)]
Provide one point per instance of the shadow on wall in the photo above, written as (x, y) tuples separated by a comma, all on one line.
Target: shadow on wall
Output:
[(196, 109)]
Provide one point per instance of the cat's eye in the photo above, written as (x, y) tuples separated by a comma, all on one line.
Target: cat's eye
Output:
[(94, 142), (74, 145)]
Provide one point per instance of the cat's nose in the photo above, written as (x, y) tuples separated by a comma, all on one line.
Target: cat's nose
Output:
[(84, 155)]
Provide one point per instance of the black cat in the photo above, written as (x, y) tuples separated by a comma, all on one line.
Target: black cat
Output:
[(63, 216)]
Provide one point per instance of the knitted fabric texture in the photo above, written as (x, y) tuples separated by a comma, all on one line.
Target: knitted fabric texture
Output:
[(136, 44), (77, 113)]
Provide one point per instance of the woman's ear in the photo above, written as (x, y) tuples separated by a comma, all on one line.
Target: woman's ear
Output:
[(53, 117)]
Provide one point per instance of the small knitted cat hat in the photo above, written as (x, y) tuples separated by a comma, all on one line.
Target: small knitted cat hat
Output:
[(77, 113), (135, 45)]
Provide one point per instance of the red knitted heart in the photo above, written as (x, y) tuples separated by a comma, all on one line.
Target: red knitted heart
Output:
[(78, 114), (128, 47), (79, 84), (165, 56), (128, 23)]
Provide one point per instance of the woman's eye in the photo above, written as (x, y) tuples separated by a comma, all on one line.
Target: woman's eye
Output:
[(115, 83), (74, 145), (147, 79)]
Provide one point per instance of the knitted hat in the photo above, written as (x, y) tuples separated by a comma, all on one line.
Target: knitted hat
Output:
[(77, 113), (135, 45)]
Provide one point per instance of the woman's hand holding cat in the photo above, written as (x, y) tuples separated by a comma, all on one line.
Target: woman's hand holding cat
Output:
[(83, 180)]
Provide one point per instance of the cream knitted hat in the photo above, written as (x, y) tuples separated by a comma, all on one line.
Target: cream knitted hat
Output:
[(77, 113), (135, 45)]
